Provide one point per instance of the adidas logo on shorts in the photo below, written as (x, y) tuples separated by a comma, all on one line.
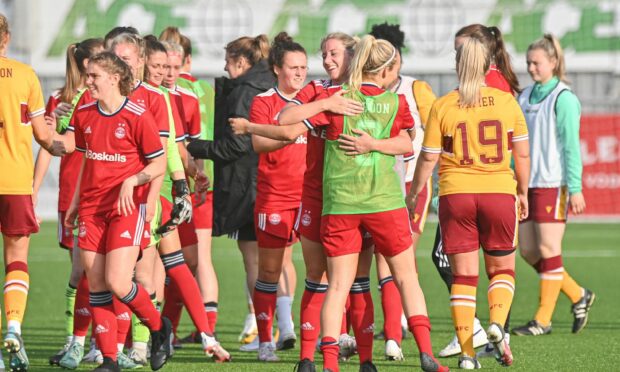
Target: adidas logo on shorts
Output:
[(100, 329), (124, 316), (83, 311), (126, 235), (88, 130), (262, 316), (307, 326)]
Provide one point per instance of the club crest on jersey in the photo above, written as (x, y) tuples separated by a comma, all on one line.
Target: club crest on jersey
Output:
[(120, 131), (275, 218), (306, 220)]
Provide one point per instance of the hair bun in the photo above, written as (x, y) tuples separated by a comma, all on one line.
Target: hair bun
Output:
[(283, 37)]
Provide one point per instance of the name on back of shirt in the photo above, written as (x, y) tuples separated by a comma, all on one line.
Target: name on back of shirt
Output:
[(488, 101), (6, 72), (376, 108)]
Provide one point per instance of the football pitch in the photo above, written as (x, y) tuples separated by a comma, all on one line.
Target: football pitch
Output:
[(591, 256)]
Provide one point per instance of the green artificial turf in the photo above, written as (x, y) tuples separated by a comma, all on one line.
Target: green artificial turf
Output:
[(591, 256)]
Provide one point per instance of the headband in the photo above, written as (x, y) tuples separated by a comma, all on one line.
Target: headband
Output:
[(386, 62)]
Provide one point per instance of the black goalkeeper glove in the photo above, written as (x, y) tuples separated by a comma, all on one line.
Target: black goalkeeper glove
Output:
[(182, 209)]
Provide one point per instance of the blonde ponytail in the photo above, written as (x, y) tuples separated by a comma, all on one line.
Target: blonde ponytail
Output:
[(371, 57), (472, 63)]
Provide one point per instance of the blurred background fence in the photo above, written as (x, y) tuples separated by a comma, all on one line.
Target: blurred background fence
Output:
[(589, 32)]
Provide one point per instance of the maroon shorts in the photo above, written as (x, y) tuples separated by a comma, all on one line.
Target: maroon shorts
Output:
[(547, 204), (310, 219), (421, 209), (105, 232), (469, 221), (203, 214), (65, 234), (17, 215), (341, 234), (276, 229)]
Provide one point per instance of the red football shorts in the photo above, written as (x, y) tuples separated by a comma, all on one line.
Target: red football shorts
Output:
[(469, 221), (187, 233), (65, 234), (341, 234), (310, 219), (421, 209), (166, 209), (203, 214), (548, 204), (105, 232), (17, 215), (276, 229)]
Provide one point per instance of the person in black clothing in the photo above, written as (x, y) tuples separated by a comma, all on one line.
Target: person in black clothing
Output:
[(235, 162)]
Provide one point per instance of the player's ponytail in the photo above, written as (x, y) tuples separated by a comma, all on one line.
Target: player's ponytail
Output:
[(253, 49), (551, 45), (112, 64), (371, 57), (472, 63), (492, 38), (502, 60), (75, 75), (4, 31)]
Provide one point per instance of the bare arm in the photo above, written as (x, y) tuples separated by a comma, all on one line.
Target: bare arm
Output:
[(40, 169), (184, 156), (276, 132), (293, 113), (154, 169), (263, 144), (423, 170), (521, 154), (71, 215), (53, 142)]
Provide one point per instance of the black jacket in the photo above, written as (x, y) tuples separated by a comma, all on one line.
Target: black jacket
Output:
[(235, 162)]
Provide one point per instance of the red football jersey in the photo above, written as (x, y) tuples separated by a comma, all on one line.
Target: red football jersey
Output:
[(152, 99), (176, 104), (187, 76), (495, 79), (280, 172), (69, 164), (191, 112), (116, 146), (313, 178)]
